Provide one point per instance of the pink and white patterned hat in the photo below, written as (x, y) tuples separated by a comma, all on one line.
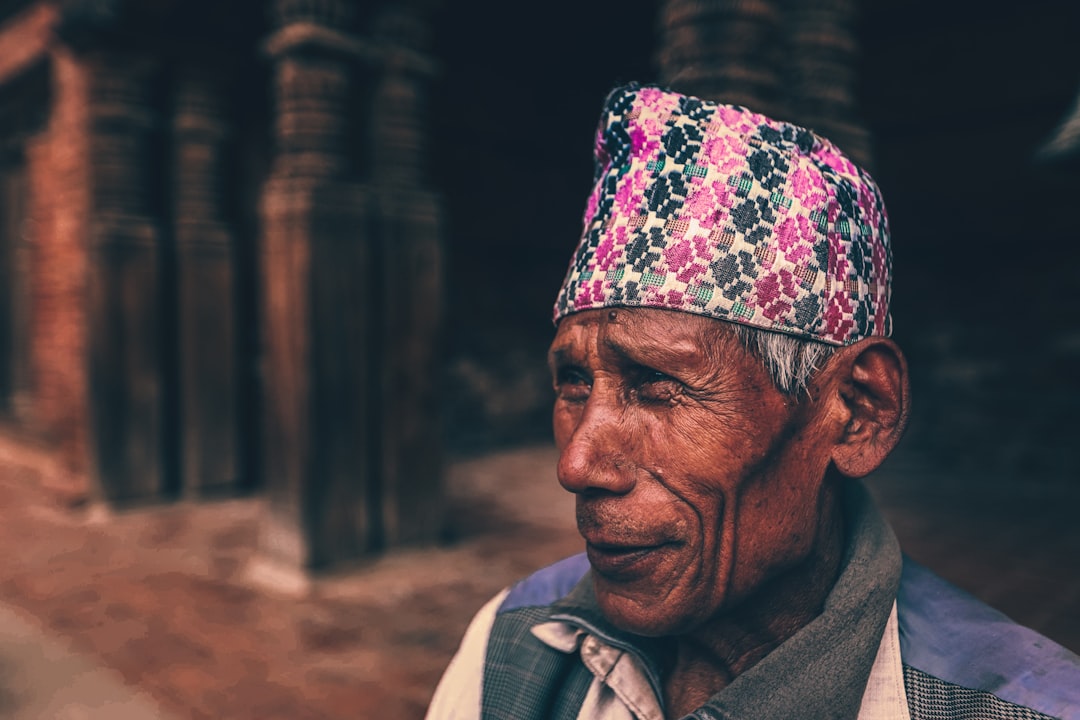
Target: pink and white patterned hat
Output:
[(714, 210)]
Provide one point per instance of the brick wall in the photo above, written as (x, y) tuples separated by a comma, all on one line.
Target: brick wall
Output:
[(57, 217), (24, 37), (60, 201)]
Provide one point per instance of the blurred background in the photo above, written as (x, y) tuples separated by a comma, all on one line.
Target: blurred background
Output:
[(276, 281)]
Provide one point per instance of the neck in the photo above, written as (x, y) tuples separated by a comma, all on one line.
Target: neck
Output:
[(708, 659)]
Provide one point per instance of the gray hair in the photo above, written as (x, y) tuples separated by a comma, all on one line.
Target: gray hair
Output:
[(791, 361)]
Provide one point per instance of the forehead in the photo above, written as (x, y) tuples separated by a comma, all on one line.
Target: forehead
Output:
[(643, 335)]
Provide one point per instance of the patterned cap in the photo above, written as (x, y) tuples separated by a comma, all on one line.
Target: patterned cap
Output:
[(714, 210)]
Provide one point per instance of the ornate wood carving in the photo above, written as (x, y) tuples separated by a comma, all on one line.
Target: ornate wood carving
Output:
[(319, 444), (824, 73), (410, 226), (351, 291), (24, 102), (14, 291), (124, 284), (794, 60), (727, 50), (209, 392)]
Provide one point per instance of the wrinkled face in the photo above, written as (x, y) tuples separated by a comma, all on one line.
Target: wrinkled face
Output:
[(697, 480)]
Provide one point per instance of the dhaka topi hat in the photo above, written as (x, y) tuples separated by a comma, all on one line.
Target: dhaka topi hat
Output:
[(715, 210)]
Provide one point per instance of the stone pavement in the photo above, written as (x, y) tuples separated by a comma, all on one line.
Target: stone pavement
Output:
[(161, 601), (42, 678)]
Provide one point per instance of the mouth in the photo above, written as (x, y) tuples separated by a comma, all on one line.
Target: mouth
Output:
[(624, 562)]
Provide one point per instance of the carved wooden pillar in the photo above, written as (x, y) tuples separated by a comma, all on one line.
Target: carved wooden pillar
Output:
[(410, 225), (823, 73), (211, 455), (124, 303), (795, 60), (319, 455), (24, 102), (726, 50), (15, 382)]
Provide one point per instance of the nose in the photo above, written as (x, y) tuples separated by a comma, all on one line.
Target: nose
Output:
[(594, 459)]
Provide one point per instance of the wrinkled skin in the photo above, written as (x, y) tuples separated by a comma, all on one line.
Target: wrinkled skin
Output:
[(708, 499)]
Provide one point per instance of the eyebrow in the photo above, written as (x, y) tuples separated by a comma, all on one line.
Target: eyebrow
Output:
[(560, 356), (682, 353), (679, 353)]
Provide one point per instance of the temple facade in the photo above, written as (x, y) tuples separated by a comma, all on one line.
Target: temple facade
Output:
[(220, 261)]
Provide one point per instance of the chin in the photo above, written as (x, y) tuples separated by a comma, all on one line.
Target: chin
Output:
[(641, 615)]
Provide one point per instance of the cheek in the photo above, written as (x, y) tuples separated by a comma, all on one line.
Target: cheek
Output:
[(564, 419), (777, 529), (703, 468)]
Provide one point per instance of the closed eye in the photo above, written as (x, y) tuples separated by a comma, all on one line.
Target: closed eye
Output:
[(653, 386), (572, 384)]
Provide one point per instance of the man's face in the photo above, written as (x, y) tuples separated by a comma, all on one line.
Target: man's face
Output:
[(697, 480)]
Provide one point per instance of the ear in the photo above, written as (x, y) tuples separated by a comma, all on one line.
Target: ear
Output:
[(874, 389)]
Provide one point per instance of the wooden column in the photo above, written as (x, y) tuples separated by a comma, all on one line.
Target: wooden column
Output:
[(317, 286), (124, 305), (211, 456), (23, 115), (823, 73), (726, 50), (14, 289), (410, 237)]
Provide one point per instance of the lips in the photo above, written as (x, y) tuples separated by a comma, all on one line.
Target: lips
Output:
[(621, 545), (623, 561)]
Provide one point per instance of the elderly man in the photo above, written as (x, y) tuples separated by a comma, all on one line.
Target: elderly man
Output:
[(723, 377)]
